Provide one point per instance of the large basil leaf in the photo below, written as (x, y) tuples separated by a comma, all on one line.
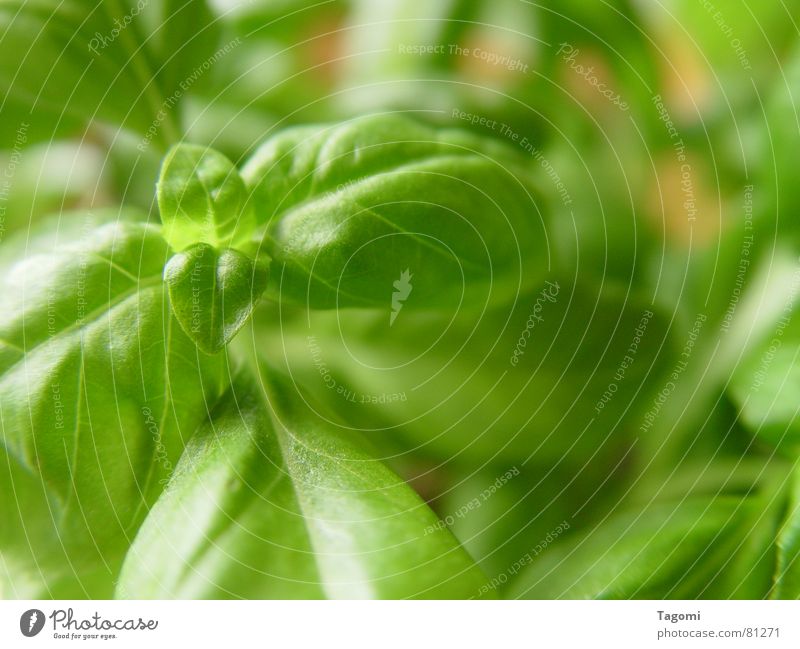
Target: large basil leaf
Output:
[(351, 207), (699, 547), (67, 63), (98, 385), (268, 502)]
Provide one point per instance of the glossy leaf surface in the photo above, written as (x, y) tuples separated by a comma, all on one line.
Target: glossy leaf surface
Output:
[(269, 503), (213, 293), (98, 385), (350, 207)]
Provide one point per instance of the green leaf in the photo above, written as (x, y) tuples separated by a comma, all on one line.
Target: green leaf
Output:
[(99, 386), (787, 573), (269, 502), (213, 292), (69, 63), (699, 547), (351, 207), (550, 379), (39, 558), (202, 199), (765, 383), (495, 512)]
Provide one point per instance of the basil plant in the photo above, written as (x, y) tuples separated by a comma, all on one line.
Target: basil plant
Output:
[(393, 324)]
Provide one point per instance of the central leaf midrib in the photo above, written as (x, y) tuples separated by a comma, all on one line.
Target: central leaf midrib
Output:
[(308, 514)]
